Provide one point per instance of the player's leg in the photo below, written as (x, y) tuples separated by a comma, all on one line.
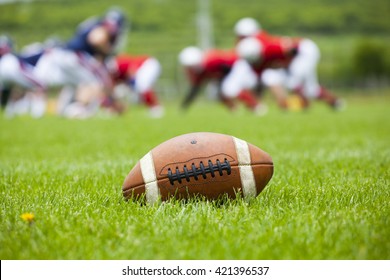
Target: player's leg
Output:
[(5, 96), (275, 80), (80, 73), (238, 85), (145, 79), (311, 87)]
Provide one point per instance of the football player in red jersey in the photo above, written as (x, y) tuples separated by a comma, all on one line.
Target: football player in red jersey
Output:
[(256, 58), (212, 65), (140, 73), (287, 62)]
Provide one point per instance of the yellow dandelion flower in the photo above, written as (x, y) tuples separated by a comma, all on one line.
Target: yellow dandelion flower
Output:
[(27, 217)]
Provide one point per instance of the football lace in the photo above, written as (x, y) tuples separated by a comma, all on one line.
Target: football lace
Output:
[(202, 170)]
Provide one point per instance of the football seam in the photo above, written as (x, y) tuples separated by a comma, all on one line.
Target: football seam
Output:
[(194, 159), (166, 178)]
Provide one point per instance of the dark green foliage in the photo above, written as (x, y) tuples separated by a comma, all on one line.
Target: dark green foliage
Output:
[(369, 59)]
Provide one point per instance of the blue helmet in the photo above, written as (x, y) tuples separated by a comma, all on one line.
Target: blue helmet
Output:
[(116, 19)]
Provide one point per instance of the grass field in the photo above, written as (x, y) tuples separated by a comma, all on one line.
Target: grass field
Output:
[(329, 197)]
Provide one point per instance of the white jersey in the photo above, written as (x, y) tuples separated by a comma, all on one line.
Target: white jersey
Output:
[(13, 71), (61, 67), (301, 72)]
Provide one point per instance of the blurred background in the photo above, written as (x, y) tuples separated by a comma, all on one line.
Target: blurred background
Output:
[(353, 35)]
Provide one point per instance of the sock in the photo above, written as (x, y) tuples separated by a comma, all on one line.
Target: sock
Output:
[(149, 98), (327, 96), (299, 91), (248, 99)]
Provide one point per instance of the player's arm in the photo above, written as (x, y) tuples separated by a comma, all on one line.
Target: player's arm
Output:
[(289, 46)]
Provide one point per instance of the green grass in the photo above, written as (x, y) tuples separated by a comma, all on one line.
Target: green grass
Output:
[(329, 197)]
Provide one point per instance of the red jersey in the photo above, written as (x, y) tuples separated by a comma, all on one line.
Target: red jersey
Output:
[(127, 66), (216, 64), (277, 51)]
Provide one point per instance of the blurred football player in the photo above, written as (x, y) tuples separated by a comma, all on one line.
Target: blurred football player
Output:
[(212, 65), (247, 70), (140, 73), (286, 63), (79, 65), (17, 77)]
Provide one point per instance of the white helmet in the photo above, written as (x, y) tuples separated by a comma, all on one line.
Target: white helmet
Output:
[(247, 27), (249, 49), (191, 56)]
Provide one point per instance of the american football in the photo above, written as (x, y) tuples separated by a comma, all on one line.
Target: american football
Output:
[(202, 163)]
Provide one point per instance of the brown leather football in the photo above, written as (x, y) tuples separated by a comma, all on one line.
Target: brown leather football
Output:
[(202, 163)]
